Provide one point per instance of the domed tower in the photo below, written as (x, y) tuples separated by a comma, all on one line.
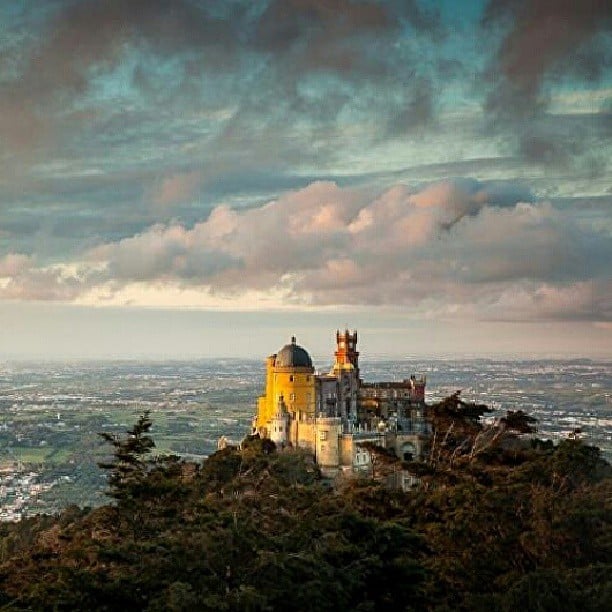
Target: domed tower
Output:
[(294, 378), (293, 356), (290, 375)]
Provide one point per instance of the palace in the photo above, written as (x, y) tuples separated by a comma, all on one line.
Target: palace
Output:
[(337, 415)]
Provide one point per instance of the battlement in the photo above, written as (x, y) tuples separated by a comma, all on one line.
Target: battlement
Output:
[(331, 414)]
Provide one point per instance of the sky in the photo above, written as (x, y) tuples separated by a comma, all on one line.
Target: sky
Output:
[(190, 178)]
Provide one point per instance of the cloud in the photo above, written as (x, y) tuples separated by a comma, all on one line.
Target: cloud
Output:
[(88, 66), (544, 39), (22, 279), (527, 241), (92, 34), (316, 32), (454, 247), (416, 111), (13, 264), (177, 188), (86, 39), (580, 301), (569, 142), (547, 48)]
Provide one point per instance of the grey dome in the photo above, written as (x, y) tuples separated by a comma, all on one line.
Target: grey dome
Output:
[(293, 356)]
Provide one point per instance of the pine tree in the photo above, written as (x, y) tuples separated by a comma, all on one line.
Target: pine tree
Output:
[(130, 464)]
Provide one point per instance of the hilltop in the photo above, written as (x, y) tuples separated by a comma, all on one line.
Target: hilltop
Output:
[(502, 525), (506, 526)]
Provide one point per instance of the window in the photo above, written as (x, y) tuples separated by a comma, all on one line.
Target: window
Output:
[(292, 397), (323, 436)]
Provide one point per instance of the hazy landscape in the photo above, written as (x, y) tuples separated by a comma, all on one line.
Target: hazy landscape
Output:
[(51, 412), (188, 179)]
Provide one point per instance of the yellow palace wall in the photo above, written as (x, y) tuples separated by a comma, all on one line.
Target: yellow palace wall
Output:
[(295, 384)]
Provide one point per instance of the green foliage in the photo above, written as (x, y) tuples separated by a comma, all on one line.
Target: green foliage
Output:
[(460, 438), (519, 421), (250, 529), (257, 529), (128, 468)]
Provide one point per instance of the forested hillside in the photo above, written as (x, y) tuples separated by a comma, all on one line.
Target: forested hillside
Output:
[(494, 524)]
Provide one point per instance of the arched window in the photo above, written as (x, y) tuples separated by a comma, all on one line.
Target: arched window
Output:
[(408, 451)]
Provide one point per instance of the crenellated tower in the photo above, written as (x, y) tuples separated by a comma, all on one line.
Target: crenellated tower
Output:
[(347, 355), (346, 372), (332, 414)]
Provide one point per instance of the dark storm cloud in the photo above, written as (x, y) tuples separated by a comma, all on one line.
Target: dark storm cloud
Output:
[(568, 142), (285, 22), (416, 111), (86, 38), (332, 59), (544, 39), (92, 33), (258, 52), (317, 30), (546, 44)]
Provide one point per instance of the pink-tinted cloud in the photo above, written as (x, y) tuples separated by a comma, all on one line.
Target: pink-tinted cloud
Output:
[(446, 249), (586, 300), (13, 264), (176, 188)]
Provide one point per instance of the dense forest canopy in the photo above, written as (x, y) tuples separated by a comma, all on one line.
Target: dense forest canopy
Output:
[(497, 522)]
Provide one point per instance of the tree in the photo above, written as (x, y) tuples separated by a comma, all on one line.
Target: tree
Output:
[(456, 426), (253, 529), (460, 437), (128, 471)]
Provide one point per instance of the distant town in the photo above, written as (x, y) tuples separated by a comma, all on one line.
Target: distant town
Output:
[(20, 491), (51, 413)]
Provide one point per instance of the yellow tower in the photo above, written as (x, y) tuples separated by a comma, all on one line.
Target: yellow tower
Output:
[(290, 375)]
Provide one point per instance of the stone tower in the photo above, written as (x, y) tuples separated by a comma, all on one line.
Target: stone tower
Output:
[(346, 371), (279, 424), (290, 375), (346, 353)]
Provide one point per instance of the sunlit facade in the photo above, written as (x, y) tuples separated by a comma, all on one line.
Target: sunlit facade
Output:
[(334, 414)]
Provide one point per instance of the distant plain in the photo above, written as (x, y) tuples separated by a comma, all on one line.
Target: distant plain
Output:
[(51, 412)]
